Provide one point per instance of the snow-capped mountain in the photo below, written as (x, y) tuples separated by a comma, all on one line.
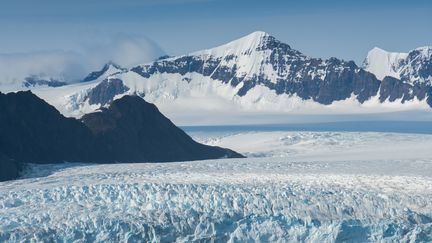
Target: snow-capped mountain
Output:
[(404, 76), (244, 67), (107, 70), (412, 67), (255, 73)]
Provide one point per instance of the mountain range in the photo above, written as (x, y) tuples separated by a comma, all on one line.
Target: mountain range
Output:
[(258, 73)]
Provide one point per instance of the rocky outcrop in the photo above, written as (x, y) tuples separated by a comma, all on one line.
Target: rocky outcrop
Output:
[(393, 89), (108, 69), (417, 66), (105, 91)]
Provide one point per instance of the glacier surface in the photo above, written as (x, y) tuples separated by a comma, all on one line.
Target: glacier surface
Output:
[(315, 191)]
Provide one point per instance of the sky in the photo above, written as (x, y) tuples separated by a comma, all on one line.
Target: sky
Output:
[(74, 37)]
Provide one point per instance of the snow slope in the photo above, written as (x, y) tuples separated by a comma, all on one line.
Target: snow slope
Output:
[(302, 197), (60, 97), (383, 63)]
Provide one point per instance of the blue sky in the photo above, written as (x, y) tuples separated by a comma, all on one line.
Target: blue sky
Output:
[(344, 29)]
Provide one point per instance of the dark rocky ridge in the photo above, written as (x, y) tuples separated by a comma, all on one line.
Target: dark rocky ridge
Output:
[(33, 131), (131, 130), (393, 89), (106, 90)]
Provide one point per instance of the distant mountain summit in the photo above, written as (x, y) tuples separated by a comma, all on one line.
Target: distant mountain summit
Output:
[(107, 70), (412, 67), (405, 76), (260, 73), (130, 130)]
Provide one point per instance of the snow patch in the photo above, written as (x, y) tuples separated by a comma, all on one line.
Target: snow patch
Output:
[(383, 63)]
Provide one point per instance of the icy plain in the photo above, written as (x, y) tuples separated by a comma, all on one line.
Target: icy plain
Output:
[(295, 186)]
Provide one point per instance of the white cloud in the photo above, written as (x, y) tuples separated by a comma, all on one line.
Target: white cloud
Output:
[(124, 49), (73, 65)]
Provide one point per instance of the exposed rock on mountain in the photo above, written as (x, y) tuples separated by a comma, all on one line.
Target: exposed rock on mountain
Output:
[(405, 76), (34, 81), (412, 67), (106, 90), (107, 70)]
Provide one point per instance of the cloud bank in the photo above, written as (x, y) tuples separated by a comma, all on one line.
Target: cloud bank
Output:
[(126, 50), (73, 65)]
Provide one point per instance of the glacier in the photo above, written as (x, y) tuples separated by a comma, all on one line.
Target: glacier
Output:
[(296, 186)]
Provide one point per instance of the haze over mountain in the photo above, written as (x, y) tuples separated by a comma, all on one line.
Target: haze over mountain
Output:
[(22, 69)]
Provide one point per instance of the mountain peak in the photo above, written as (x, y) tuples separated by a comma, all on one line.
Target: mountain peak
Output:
[(257, 40), (111, 64), (383, 63), (257, 35), (411, 67), (251, 39), (377, 50), (107, 70)]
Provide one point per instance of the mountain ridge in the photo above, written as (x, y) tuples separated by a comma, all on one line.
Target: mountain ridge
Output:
[(107, 70)]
